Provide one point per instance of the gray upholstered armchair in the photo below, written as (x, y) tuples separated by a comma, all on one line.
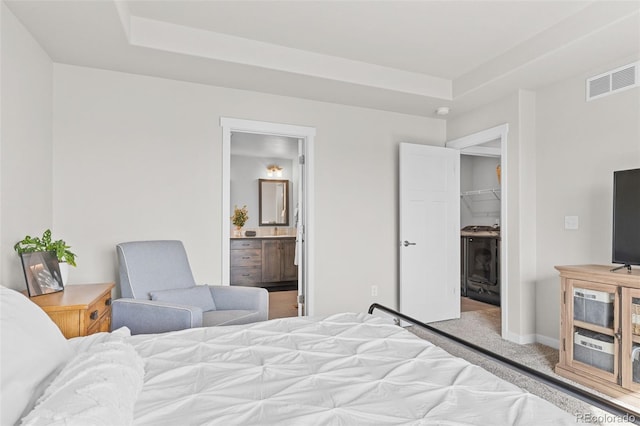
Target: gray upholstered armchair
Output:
[(160, 294)]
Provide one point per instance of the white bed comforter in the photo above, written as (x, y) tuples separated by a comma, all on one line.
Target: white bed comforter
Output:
[(346, 369)]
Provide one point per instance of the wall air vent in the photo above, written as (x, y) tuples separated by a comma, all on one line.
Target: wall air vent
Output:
[(613, 81)]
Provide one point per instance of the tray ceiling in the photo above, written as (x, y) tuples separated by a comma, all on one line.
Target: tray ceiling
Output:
[(409, 57)]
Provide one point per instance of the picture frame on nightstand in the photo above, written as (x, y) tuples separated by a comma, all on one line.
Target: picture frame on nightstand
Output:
[(41, 272)]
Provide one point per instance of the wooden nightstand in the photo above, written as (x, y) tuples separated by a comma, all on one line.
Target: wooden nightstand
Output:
[(79, 310)]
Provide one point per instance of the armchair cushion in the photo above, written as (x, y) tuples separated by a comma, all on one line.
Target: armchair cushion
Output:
[(199, 296), (146, 266)]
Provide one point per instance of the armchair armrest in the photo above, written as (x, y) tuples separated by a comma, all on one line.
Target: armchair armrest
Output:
[(148, 317), (238, 297)]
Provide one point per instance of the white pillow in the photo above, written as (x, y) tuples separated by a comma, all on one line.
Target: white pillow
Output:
[(97, 387), (33, 348)]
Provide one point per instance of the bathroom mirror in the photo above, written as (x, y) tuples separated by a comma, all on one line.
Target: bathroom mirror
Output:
[(274, 202)]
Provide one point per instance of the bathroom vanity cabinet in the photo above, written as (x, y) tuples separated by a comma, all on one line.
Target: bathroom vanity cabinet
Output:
[(278, 260), (263, 261), (246, 261)]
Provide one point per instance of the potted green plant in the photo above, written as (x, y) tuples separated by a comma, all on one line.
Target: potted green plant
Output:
[(239, 218), (45, 243)]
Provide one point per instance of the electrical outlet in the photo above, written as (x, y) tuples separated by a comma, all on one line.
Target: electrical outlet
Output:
[(374, 290)]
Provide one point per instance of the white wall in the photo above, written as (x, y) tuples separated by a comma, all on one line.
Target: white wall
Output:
[(140, 158), (527, 219), (25, 150), (579, 145), (245, 172)]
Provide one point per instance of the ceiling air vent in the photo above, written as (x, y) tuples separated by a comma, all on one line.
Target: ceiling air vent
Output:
[(613, 81)]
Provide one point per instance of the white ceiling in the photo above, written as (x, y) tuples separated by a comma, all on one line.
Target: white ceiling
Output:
[(404, 56)]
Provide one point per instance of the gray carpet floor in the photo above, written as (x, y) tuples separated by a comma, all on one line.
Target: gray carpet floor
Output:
[(482, 328)]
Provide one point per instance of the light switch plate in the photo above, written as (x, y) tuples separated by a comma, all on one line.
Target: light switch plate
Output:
[(571, 222)]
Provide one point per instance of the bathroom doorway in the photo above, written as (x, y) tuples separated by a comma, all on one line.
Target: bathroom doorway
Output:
[(267, 171)]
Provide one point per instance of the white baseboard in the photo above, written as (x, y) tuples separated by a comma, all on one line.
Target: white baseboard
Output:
[(525, 339), (548, 341), (521, 339)]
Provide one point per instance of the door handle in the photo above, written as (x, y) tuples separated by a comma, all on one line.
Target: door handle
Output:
[(407, 243)]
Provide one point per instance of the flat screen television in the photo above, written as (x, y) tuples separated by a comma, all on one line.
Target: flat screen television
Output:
[(626, 217)]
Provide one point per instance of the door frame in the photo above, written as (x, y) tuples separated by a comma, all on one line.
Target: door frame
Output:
[(307, 135), (469, 145)]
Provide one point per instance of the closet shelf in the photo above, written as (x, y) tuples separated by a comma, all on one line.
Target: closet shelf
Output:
[(470, 194), (472, 198)]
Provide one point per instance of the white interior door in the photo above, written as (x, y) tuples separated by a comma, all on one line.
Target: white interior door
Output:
[(429, 232)]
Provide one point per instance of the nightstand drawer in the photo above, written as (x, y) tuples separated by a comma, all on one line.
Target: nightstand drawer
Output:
[(103, 324), (97, 310)]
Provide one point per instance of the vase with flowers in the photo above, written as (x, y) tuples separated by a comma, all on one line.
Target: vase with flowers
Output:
[(239, 218)]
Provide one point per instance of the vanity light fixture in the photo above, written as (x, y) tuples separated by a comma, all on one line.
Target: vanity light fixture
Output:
[(274, 170)]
